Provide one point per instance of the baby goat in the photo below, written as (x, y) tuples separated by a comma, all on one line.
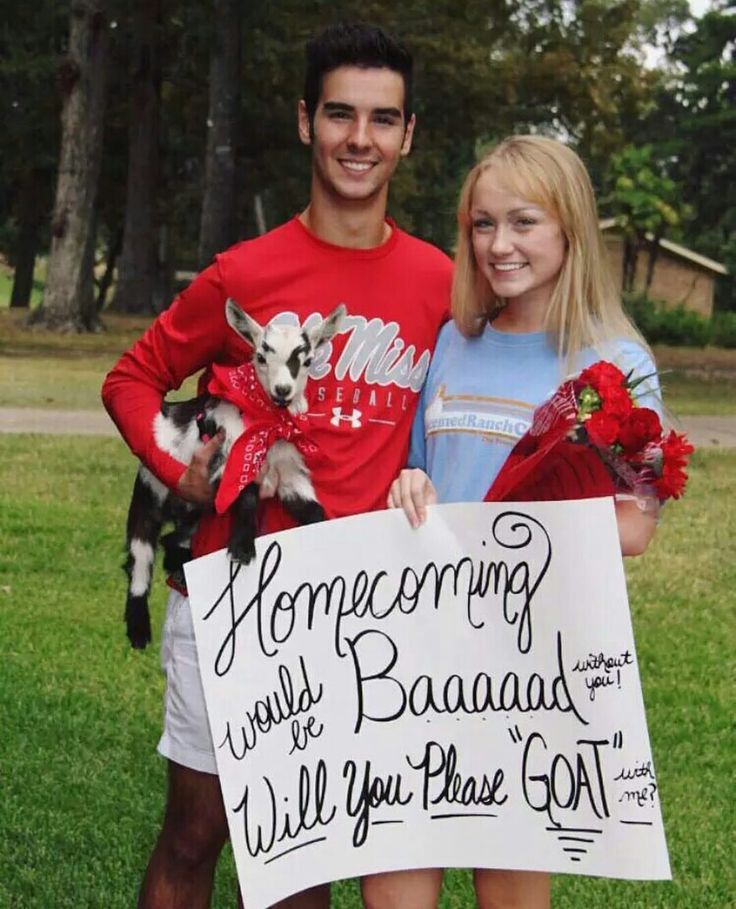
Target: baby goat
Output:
[(261, 407)]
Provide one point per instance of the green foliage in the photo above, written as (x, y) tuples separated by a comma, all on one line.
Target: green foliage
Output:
[(723, 329), (692, 126), (642, 198), (578, 72), (662, 324), (484, 69)]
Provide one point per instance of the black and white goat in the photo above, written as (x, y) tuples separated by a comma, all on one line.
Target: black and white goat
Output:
[(282, 355)]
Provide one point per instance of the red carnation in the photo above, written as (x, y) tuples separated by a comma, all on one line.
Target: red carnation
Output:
[(601, 374), (616, 401), (671, 483), (602, 429), (676, 449), (641, 427)]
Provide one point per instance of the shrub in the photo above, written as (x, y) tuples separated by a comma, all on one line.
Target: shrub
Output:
[(676, 325), (723, 329)]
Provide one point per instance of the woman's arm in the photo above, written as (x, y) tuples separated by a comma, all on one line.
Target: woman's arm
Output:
[(637, 521)]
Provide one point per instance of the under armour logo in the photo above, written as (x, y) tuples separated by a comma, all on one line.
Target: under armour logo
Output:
[(352, 418)]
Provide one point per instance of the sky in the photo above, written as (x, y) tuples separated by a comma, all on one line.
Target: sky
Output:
[(698, 7), (654, 55)]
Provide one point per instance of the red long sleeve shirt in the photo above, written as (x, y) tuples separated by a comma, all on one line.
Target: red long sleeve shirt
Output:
[(361, 402)]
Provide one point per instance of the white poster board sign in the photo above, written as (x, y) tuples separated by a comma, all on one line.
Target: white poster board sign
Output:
[(462, 695)]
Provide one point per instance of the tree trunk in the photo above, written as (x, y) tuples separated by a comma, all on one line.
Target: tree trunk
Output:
[(30, 208), (137, 270), (25, 262), (103, 286), (165, 279), (632, 248), (651, 263), (87, 303), (82, 77), (217, 228), (259, 214)]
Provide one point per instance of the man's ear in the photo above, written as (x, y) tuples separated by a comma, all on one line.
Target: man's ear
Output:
[(408, 135), (305, 127)]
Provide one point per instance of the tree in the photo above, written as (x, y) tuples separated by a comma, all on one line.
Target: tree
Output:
[(68, 301), (138, 266), (692, 127), (646, 207), (217, 227), (30, 44), (707, 124)]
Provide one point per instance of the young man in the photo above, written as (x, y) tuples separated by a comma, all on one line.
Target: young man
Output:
[(356, 116)]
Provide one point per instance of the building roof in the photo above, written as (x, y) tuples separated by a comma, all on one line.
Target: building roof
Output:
[(682, 251)]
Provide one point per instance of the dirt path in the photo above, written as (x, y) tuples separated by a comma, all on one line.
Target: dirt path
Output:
[(56, 422), (704, 432)]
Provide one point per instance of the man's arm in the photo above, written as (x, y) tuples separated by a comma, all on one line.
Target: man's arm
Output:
[(185, 338)]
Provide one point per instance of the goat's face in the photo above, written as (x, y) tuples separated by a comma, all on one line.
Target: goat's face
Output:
[(282, 353)]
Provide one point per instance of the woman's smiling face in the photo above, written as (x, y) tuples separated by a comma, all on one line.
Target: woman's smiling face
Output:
[(519, 247)]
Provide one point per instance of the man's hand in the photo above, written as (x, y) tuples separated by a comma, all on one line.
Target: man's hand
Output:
[(195, 486), (412, 490)]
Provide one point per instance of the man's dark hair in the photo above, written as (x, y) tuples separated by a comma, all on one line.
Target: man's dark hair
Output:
[(354, 44)]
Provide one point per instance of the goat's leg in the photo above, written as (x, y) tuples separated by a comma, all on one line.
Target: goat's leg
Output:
[(304, 511), (294, 483), (242, 546), (143, 527), (177, 545)]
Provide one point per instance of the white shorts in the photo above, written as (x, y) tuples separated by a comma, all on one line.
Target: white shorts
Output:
[(186, 737)]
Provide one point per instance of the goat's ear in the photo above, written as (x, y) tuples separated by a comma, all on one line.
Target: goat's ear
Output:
[(242, 324), (328, 327)]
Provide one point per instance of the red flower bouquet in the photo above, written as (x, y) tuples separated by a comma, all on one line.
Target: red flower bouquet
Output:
[(591, 439)]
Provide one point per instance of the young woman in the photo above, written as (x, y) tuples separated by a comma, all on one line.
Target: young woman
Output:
[(532, 303)]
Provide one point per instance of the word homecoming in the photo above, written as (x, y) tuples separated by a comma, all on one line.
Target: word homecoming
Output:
[(481, 589), (510, 584)]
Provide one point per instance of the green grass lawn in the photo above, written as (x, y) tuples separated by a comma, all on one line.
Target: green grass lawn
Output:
[(61, 371), (65, 372), (82, 788), (6, 286)]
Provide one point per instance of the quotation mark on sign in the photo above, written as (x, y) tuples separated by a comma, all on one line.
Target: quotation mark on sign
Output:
[(618, 740), (515, 734)]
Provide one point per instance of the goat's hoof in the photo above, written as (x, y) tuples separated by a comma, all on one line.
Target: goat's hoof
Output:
[(138, 622), (138, 642), (242, 553)]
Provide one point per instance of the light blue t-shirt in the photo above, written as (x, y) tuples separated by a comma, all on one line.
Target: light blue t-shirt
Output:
[(479, 398)]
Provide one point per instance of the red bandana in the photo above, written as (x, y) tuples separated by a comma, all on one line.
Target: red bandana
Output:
[(265, 423)]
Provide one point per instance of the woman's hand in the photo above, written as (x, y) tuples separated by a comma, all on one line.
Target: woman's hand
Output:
[(412, 490)]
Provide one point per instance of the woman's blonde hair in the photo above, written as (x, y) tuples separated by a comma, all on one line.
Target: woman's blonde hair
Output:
[(585, 307)]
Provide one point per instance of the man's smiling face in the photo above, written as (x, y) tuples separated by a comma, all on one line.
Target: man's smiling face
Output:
[(359, 132)]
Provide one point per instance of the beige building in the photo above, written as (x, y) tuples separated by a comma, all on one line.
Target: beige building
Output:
[(680, 275)]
